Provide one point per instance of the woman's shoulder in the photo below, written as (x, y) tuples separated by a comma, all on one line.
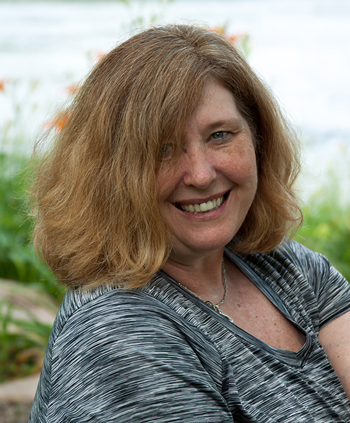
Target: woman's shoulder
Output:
[(292, 257), (295, 262), (113, 312), (103, 302), (112, 334), (301, 255), (313, 265), (307, 275)]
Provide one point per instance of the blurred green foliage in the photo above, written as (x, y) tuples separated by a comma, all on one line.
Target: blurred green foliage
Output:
[(17, 259), (23, 335), (326, 227)]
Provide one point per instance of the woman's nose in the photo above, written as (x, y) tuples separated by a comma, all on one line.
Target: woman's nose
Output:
[(199, 169)]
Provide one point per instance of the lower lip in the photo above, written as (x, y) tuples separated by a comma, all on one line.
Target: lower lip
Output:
[(207, 215)]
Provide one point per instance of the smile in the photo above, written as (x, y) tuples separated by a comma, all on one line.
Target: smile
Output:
[(198, 208)]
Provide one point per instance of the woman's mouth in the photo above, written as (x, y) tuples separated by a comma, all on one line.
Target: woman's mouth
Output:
[(198, 208)]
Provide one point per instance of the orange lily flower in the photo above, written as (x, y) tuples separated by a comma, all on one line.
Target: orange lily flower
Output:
[(96, 56), (231, 38), (72, 88), (58, 123), (99, 56)]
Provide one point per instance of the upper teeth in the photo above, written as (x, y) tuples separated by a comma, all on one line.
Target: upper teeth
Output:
[(203, 207)]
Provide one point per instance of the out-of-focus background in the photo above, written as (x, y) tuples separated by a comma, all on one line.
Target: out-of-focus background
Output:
[(299, 47)]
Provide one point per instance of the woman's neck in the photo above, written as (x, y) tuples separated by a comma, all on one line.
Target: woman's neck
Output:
[(203, 275)]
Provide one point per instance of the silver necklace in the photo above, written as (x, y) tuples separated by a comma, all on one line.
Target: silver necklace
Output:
[(215, 307)]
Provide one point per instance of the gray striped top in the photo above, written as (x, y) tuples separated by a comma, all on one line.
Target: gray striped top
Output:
[(159, 354)]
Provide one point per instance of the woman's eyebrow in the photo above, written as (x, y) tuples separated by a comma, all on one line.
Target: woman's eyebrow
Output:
[(225, 123)]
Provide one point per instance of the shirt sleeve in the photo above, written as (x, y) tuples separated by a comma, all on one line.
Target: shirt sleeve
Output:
[(129, 363), (334, 297), (331, 289)]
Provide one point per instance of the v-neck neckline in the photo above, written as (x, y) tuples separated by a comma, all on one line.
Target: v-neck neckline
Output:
[(292, 358)]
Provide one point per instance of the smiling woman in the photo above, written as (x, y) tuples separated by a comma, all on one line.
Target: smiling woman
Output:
[(163, 204), (218, 167)]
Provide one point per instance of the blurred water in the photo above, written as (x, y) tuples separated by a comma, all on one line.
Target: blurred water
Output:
[(300, 47)]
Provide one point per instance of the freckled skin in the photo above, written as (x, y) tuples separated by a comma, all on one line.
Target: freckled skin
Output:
[(335, 340), (218, 158), (258, 316), (209, 167)]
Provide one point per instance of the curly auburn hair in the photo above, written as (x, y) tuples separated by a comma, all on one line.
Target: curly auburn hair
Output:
[(94, 192)]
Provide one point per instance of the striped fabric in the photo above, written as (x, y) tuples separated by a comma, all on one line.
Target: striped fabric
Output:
[(159, 354)]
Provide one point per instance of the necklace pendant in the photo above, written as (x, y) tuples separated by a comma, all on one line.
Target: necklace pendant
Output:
[(223, 314), (216, 308)]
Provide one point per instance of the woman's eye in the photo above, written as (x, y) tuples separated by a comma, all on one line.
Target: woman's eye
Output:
[(219, 135), (166, 150)]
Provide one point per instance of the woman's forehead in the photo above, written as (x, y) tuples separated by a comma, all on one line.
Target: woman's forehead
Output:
[(216, 107)]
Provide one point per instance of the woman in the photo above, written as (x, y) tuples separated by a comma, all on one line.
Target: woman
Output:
[(164, 206)]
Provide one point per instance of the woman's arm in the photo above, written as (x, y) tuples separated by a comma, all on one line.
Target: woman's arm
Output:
[(332, 319), (335, 340)]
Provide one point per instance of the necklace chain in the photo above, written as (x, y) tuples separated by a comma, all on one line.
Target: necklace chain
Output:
[(224, 283), (209, 303)]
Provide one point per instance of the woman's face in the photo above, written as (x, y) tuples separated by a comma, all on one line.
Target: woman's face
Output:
[(206, 194)]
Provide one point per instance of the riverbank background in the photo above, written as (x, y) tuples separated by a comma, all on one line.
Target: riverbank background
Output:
[(299, 47)]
